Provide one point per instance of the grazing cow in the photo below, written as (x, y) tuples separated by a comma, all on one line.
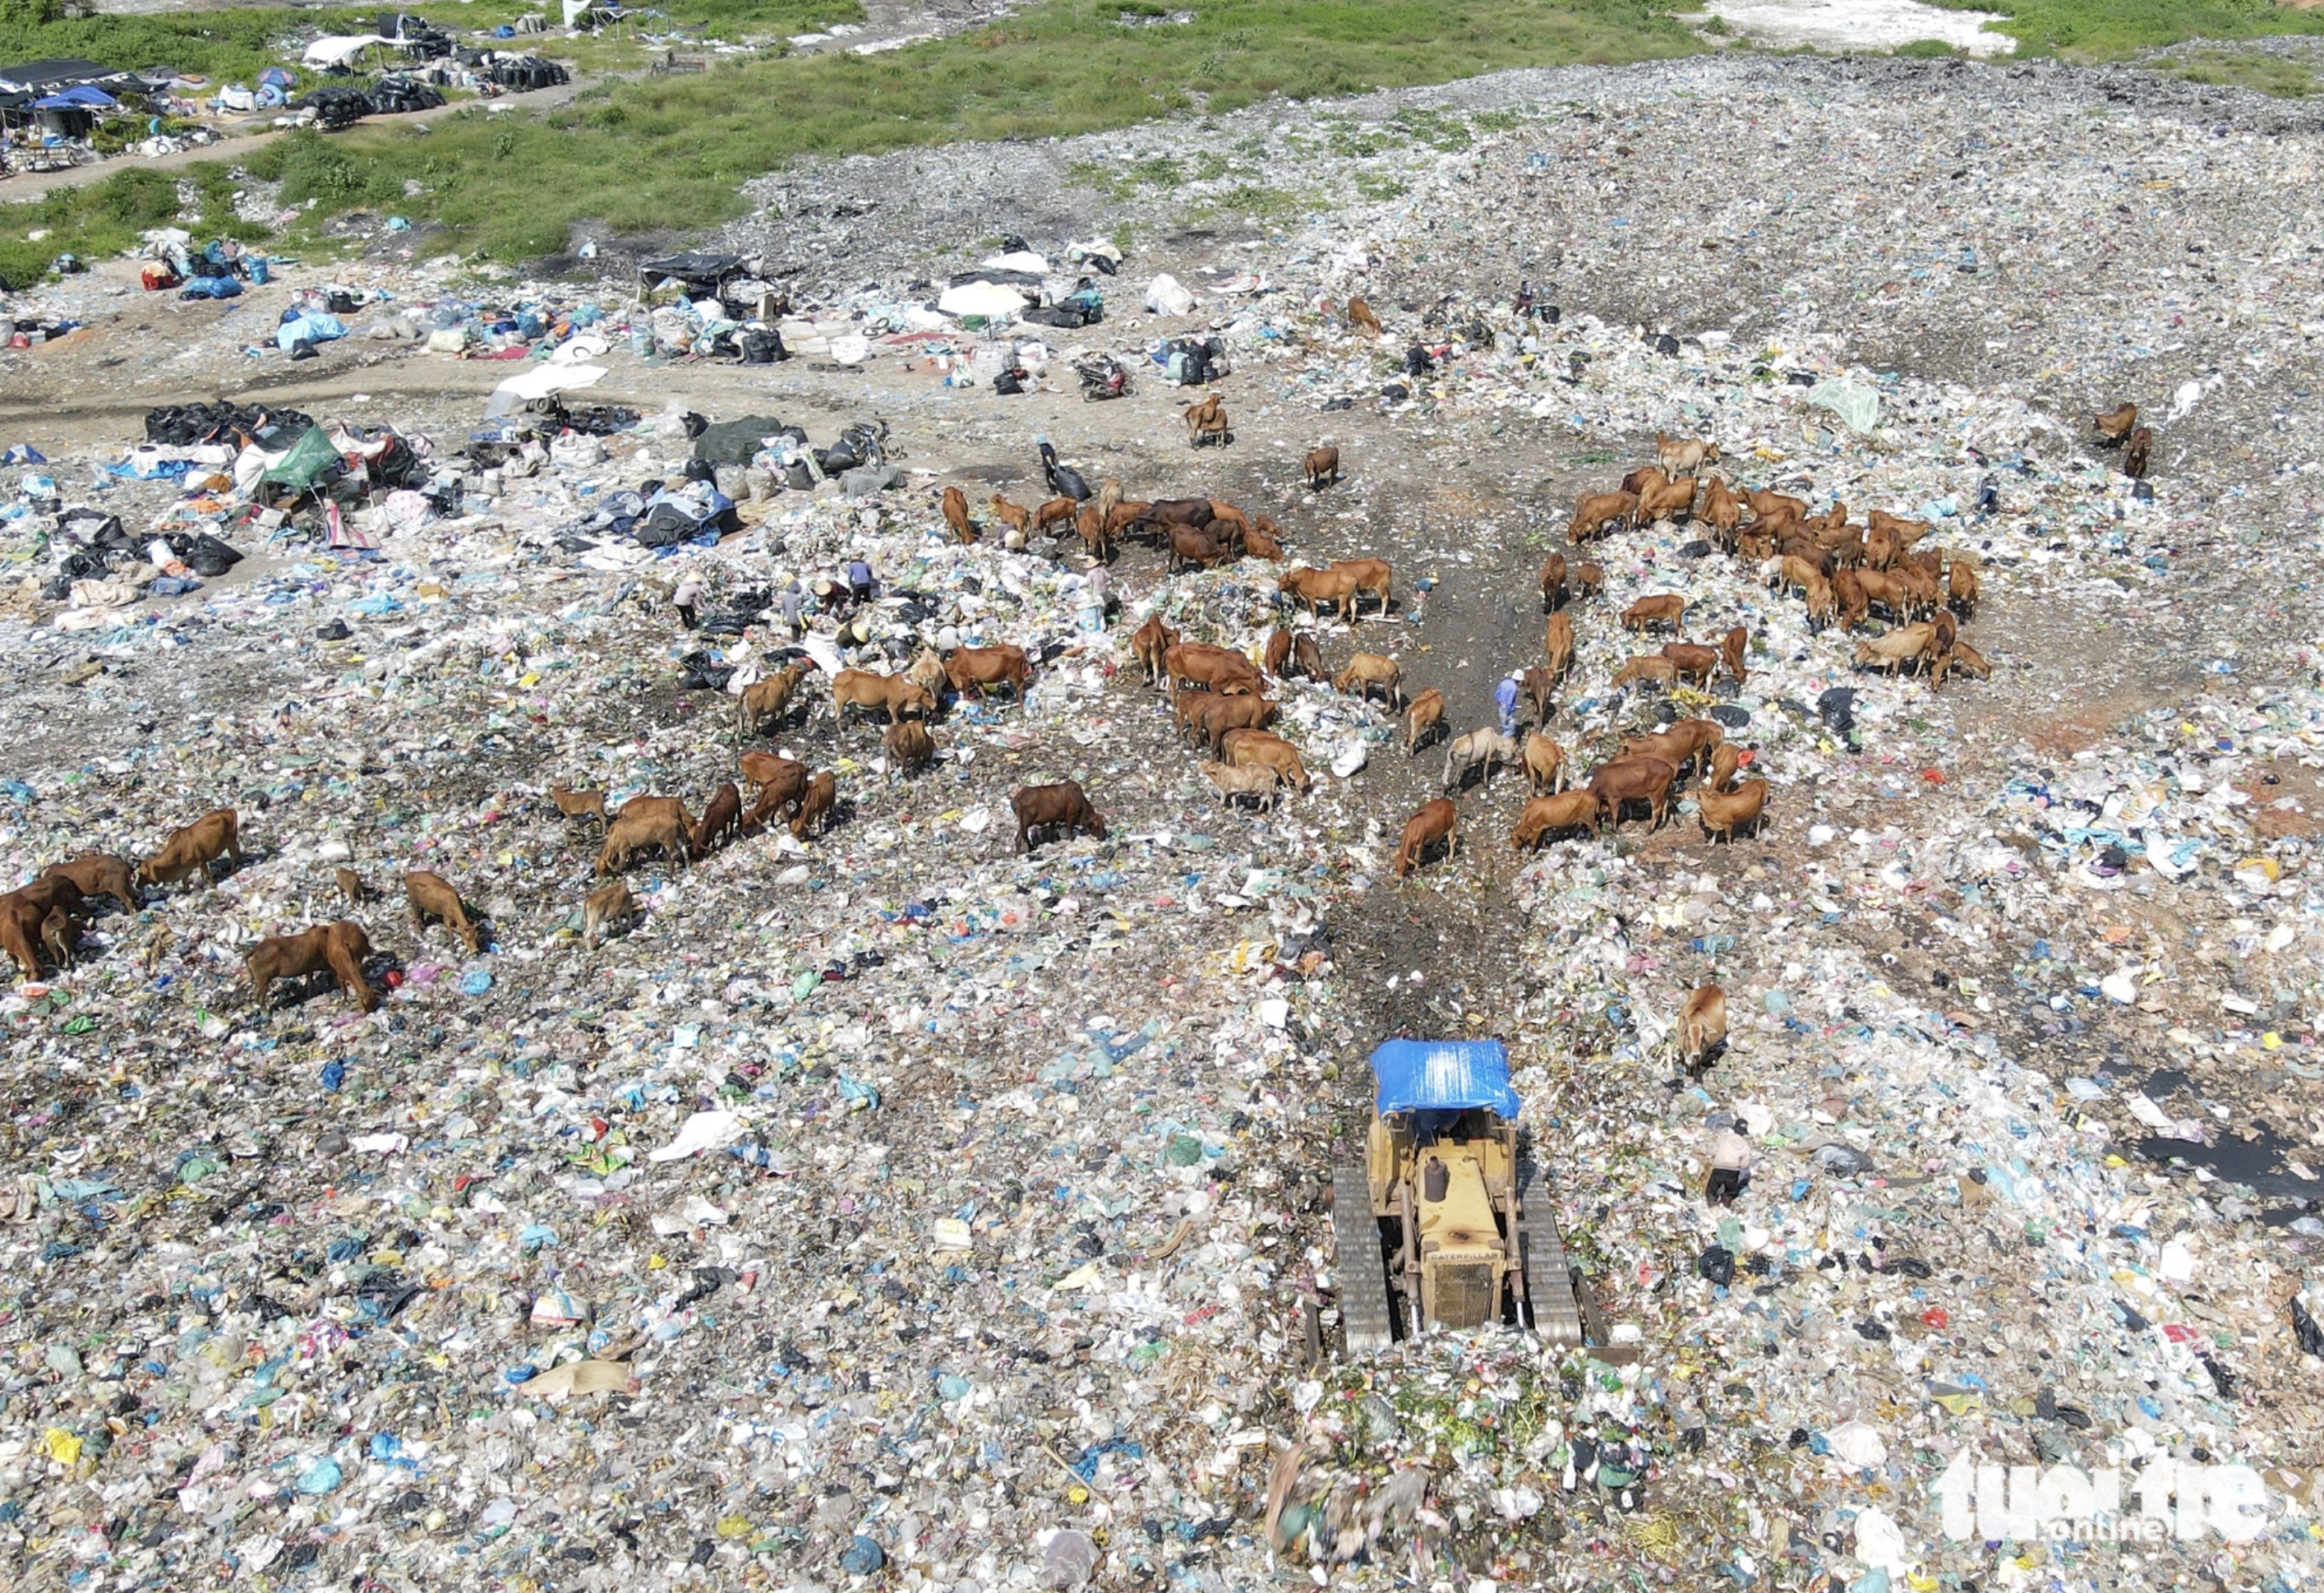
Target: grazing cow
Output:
[(1150, 644), (1435, 822), (1896, 649), (1214, 669), (351, 886), (1724, 761), (1730, 653), (1721, 513), (605, 905), (1260, 542), (1245, 748), (721, 820), (99, 873), (1319, 590), (1552, 582), (971, 670), (766, 701), (955, 514), (1776, 505), (1294, 653), (1366, 671), (1015, 516), (1702, 1027), (1251, 780), (1483, 748), (1682, 741), (1360, 314), (782, 783), (1646, 669), (1628, 780), (1961, 590), (1725, 812), (2136, 456), (1692, 660), (1323, 468), (1422, 716), (1663, 609), (1195, 546), (1545, 765), (431, 896), (26, 931), (1089, 521), (892, 694), (632, 834), (198, 845), (579, 804), (1545, 815), (2116, 423), (1048, 806), (818, 806), (1211, 715), (908, 745), (1557, 643), (1207, 423), (1586, 580), (339, 948), (1673, 502), (1594, 514)]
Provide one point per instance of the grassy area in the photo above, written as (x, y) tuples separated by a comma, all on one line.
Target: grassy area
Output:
[(2286, 79), (669, 152), (105, 217), (2103, 29)]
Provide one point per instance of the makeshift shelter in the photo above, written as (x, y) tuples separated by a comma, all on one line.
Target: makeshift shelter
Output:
[(701, 275)]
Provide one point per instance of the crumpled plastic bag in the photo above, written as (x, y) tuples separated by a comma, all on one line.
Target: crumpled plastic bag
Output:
[(1856, 404)]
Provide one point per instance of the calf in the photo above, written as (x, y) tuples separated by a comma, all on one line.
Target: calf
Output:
[(579, 804), (2136, 456), (1435, 822), (1702, 1027), (910, 746), (99, 873), (1294, 653), (1422, 716), (1323, 468), (200, 845), (1195, 547), (339, 948), (1663, 609), (25, 933), (1246, 748), (1055, 512), (1628, 780), (1260, 542), (1250, 780), (1017, 517), (1586, 579), (1048, 806), (817, 807), (721, 820), (431, 896), (1724, 812), (1478, 748), (955, 514), (1544, 815), (607, 904), (1539, 687), (1724, 761), (1360, 314), (1366, 671)]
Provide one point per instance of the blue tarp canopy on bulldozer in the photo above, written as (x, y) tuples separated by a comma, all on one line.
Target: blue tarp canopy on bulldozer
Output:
[(1443, 1076)]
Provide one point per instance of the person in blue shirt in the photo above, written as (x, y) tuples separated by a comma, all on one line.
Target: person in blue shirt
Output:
[(1505, 697), (859, 580)]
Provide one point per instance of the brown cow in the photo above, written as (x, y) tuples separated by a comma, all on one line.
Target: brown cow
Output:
[(1557, 643), (1692, 660), (1055, 512), (1702, 1027), (198, 845), (1195, 546), (1730, 653), (1323, 468), (893, 695), (1211, 716), (1721, 513), (1628, 780), (1207, 421), (1673, 502), (1253, 780), (1374, 577), (1544, 763), (1962, 591), (579, 804), (351, 886), (1646, 478), (25, 933), (1228, 524), (782, 783), (1366, 671), (1774, 505), (1849, 604), (1215, 668), (1896, 649), (1017, 517), (1663, 609), (1724, 761), (955, 514), (2117, 422), (1265, 748), (99, 873), (1320, 587), (431, 896), (1046, 807), (2134, 456), (971, 670), (1586, 579), (1150, 645), (1724, 812), (1422, 716), (339, 948), (1592, 514), (1544, 815), (1294, 653), (908, 745), (1965, 658), (1682, 741), (1552, 582), (1258, 542), (1436, 821), (633, 833), (1539, 687), (765, 700), (605, 905), (1646, 669), (818, 806), (1360, 314), (722, 820), (1090, 522)]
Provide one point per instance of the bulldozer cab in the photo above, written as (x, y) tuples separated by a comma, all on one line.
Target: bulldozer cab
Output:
[(1445, 1227)]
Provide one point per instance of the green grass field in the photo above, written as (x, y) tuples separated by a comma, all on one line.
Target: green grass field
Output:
[(2108, 30)]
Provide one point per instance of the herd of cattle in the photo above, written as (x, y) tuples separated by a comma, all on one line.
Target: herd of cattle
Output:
[(1219, 697)]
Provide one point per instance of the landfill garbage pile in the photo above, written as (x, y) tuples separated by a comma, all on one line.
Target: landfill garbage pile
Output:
[(870, 1202)]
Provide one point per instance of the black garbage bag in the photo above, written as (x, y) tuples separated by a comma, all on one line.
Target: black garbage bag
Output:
[(799, 478), (698, 468), (1717, 1263), (696, 672), (2304, 1329), (1009, 380), (763, 346), (208, 556), (1417, 361), (665, 526), (1837, 709)]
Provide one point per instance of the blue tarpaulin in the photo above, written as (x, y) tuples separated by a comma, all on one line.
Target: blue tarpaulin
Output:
[(1443, 1076), (80, 96)]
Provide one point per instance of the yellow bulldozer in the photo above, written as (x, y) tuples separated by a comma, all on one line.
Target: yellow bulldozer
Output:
[(1447, 1223)]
